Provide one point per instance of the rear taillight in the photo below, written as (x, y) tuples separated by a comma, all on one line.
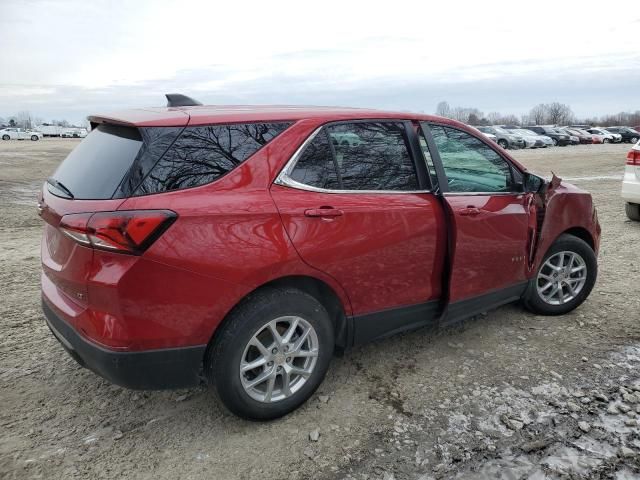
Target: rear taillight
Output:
[(126, 232), (633, 158)]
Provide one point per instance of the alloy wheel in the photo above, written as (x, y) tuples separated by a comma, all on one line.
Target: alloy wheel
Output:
[(279, 359), (561, 278)]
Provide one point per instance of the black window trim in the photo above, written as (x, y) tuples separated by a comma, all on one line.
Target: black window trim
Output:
[(284, 177), (437, 161)]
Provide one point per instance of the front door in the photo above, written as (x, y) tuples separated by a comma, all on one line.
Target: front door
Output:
[(493, 221), (356, 206)]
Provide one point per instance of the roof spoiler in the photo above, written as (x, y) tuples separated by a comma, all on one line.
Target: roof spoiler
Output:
[(179, 100)]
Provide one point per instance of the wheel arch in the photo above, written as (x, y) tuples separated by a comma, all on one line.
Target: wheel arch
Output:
[(582, 233), (313, 286)]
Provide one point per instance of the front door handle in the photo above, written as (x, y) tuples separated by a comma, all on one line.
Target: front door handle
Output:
[(323, 212), (470, 211)]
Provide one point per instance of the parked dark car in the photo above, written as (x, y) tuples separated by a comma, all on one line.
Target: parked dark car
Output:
[(628, 134), (574, 139), (561, 139), (239, 246)]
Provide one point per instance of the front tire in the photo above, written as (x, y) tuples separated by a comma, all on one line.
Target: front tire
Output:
[(633, 211), (35, 138), (503, 144), (633, 140), (564, 279), (555, 142), (272, 353)]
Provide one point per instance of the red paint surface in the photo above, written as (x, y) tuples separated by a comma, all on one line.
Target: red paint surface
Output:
[(490, 245), (241, 232)]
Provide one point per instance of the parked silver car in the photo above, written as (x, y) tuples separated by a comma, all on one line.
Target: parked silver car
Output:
[(505, 138), (540, 141)]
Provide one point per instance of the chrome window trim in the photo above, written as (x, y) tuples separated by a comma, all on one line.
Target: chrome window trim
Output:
[(283, 178)]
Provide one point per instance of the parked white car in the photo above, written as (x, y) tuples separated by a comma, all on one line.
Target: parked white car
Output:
[(605, 136), (631, 183), (19, 134)]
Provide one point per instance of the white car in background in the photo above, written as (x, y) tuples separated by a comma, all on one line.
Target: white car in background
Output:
[(605, 136), (490, 136), (14, 133), (631, 183)]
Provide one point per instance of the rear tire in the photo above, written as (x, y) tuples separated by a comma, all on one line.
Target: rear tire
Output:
[(633, 211), (6, 137), (236, 346), (578, 275)]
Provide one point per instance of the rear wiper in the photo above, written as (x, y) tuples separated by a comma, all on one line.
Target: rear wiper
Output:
[(60, 187)]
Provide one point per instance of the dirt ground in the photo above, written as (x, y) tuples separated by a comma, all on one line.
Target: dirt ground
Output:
[(507, 395)]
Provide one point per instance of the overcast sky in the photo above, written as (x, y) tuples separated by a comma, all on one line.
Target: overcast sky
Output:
[(67, 59)]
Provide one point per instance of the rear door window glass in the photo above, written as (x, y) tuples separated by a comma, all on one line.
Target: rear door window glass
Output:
[(358, 156), (316, 166), (373, 156)]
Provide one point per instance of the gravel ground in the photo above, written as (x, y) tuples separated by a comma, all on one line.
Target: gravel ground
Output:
[(506, 395)]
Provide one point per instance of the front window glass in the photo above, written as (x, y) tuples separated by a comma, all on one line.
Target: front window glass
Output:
[(469, 164)]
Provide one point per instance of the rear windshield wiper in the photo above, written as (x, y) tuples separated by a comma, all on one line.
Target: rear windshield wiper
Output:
[(60, 186)]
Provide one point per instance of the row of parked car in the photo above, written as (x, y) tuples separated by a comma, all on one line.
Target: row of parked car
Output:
[(15, 133), (542, 136)]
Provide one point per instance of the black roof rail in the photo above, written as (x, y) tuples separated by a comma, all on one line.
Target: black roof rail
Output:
[(179, 100)]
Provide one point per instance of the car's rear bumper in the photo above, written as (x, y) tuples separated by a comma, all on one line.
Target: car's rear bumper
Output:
[(149, 369)]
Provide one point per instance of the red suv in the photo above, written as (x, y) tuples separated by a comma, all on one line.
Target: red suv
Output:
[(241, 246)]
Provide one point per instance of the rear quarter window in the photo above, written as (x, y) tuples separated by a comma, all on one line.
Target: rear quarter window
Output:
[(203, 154)]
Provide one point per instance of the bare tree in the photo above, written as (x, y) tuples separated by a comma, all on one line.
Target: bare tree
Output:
[(538, 114), (443, 109), (24, 119), (559, 113), (494, 117)]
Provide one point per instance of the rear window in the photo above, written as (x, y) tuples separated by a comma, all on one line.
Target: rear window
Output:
[(94, 169), (118, 162)]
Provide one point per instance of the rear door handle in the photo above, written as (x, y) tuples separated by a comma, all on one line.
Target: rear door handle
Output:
[(323, 212), (470, 212)]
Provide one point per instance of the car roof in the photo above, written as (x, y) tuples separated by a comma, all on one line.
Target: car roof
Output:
[(221, 114)]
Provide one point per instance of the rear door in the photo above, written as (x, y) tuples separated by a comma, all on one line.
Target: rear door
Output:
[(357, 206), (493, 221)]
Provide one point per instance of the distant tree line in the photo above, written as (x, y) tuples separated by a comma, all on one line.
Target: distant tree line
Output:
[(24, 119), (554, 113)]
